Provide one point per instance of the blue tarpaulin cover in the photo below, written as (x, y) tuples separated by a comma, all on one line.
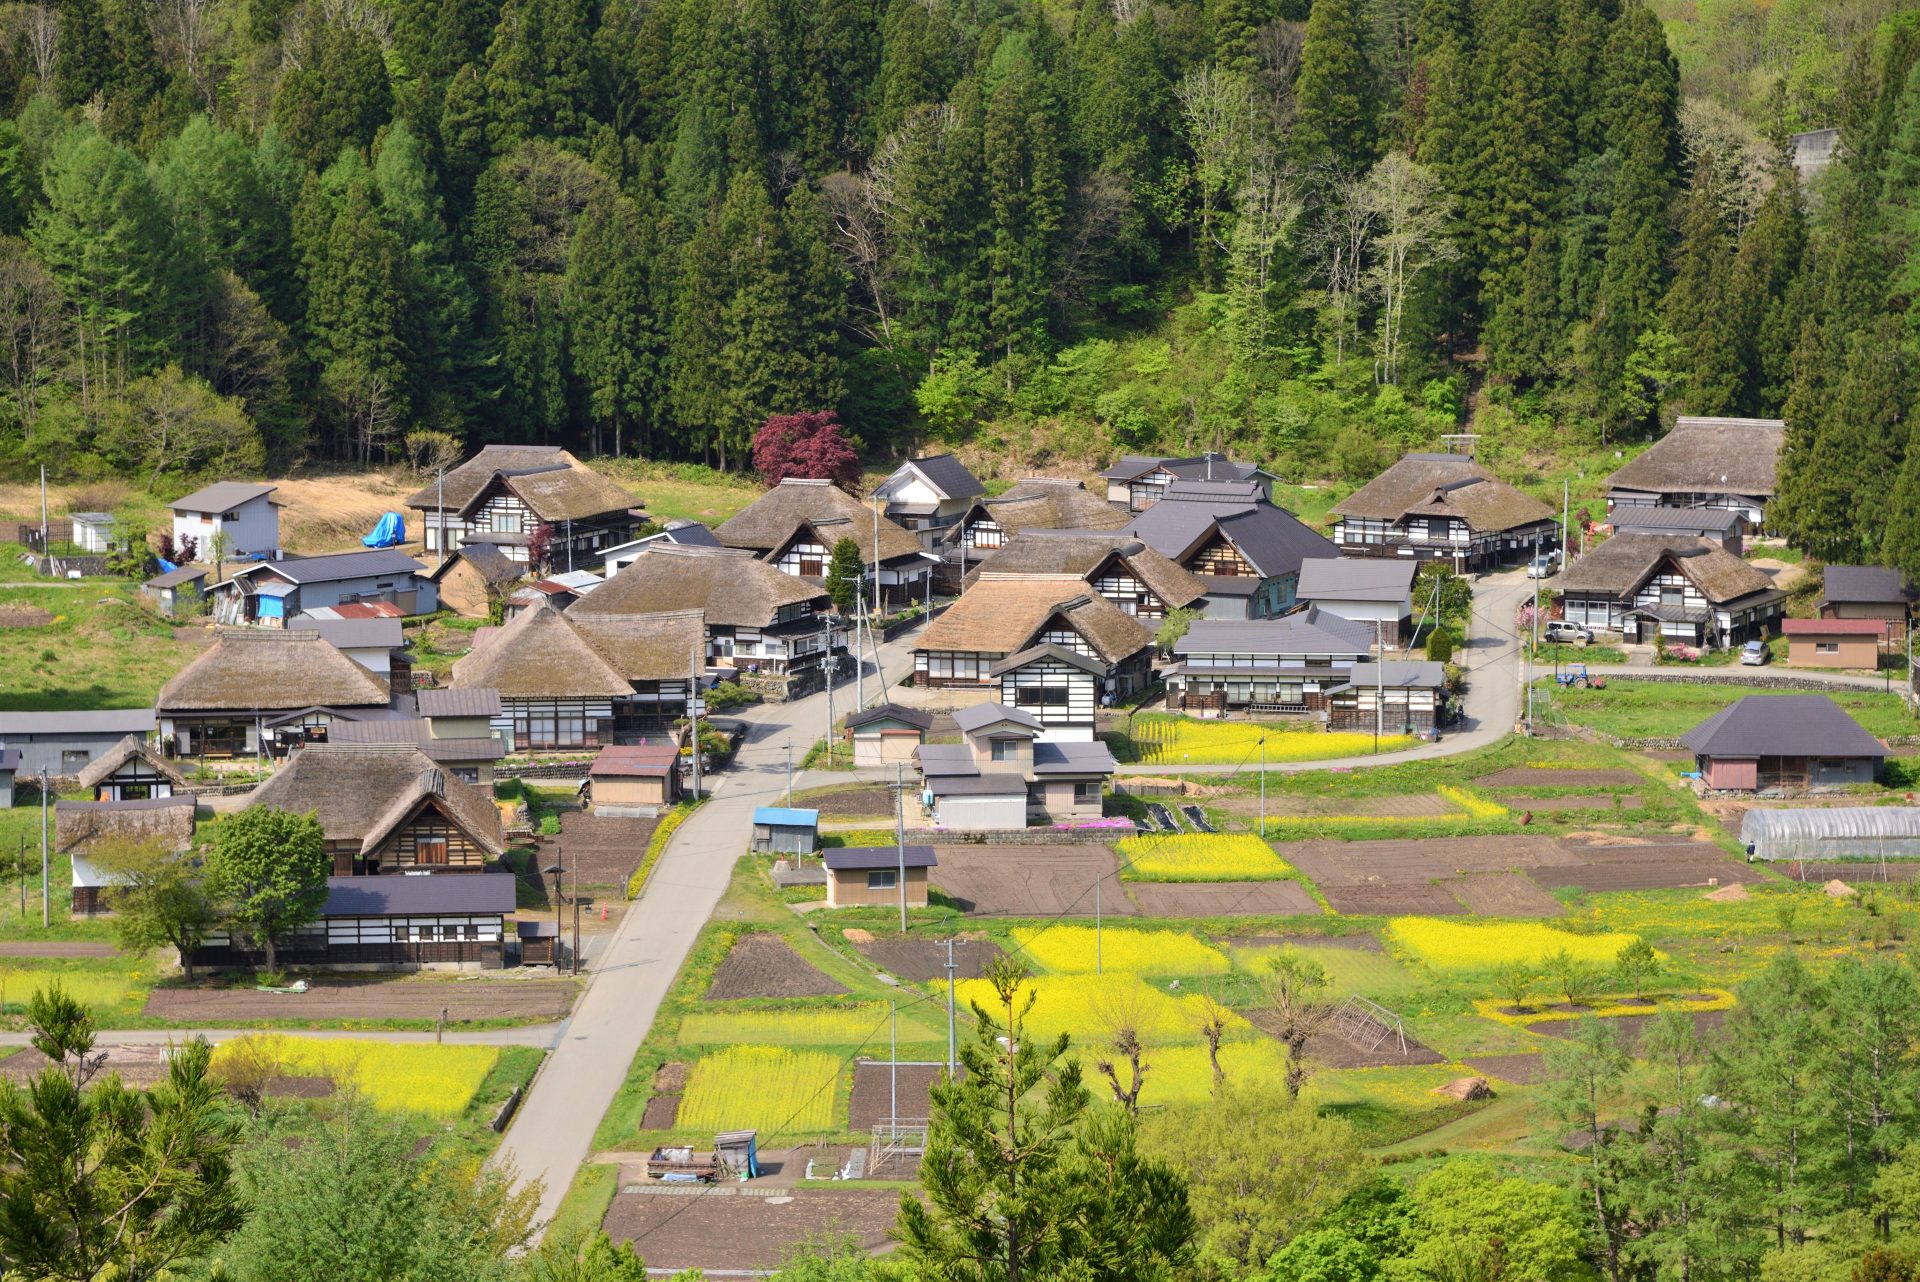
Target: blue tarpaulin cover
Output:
[(166, 566), (391, 532)]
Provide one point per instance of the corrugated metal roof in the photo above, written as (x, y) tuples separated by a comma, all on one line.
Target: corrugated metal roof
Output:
[(858, 858), (340, 565), (223, 496), (400, 894), (1834, 627), (458, 701), (784, 817), (113, 721)]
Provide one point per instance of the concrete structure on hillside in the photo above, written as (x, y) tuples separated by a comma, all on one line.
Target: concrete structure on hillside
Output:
[(244, 518)]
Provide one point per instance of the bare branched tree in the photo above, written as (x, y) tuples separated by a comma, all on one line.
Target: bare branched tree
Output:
[(1097, 207), (1295, 987), (1269, 205), (1213, 1028), (859, 232), (34, 330), (1121, 1017), (185, 32), (1217, 112), (1412, 211), (40, 39), (1337, 240)]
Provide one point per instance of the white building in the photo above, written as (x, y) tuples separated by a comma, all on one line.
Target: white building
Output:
[(928, 495), (245, 514), (1369, 590)]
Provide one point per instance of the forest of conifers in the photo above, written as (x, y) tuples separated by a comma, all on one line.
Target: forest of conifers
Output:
[(242, 232)]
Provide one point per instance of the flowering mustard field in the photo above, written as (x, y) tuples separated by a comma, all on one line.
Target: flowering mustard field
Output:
[(1069, 950), (436, 1081), (1087, 1006), (843, 1025), (1201, 857), (765, 1088), (1458, 945), (1185, 739)]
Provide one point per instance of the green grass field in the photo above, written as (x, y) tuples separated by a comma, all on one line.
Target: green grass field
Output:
[(101, 649), (1658, 709)]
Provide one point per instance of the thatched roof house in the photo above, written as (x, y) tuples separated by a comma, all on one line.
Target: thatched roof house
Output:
[(1037, 503), (1139, 579), (795, 525), (1443, 506), (377, 801), (248, 669), (1684, 588), (1706, 462), (545, 652), (506, 494), (82, 827), (731, 587), (131, 770), (1006, 615)]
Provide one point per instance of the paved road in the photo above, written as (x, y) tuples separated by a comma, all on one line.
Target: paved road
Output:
[(553, 1132)]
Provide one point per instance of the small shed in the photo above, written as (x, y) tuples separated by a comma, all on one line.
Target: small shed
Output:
[(177, 590), (9, 766), (869, 876), (887, 734), (634, 781), (1783, 741), (1842, 832), (93, 531), (1834, 643), (786, 831), (538, 942)]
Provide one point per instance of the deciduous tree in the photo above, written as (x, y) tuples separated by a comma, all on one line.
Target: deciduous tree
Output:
[(268, 869)]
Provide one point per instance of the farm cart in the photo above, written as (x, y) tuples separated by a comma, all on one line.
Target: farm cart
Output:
[(680, 1164)]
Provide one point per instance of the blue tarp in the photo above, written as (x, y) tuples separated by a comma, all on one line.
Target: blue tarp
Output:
[(391, 532), (166, 566)]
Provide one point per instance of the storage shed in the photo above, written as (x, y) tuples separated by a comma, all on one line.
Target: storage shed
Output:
[(1834, 643), (634, 781), (887, 734), (1844, 832), (538, 942), (869, 876), (786, 831)]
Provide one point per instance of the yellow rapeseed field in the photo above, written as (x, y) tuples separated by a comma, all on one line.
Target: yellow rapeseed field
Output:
[(17, 987), (1455, 945), (848, 1025), (1476, 806), (1184, 1074), (1088, 1006), (765, 1088), (399, 1077), (1069, 950), (1186, 739), (1201, 857)]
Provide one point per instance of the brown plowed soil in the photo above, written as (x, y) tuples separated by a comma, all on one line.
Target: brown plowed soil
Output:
[(1521, 1070), (1225, 899), (1359, 863), (1504, 894), (870, 1102), (1626, 1027), (56, 948), (1330, 1049), (1359, 943), (723, 1229), (861, 801), (602, 852), (922, 960), (1581, 801), (1539, 777), (400, 998), (1028, 881), (662, 1112), (137, 1065), (299, 1088), (762, 965), (1403, 899)]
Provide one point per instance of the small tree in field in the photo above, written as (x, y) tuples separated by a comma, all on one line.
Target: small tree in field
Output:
[(1637, 967), (1514, 981), (270, 868), (811, 446), (843, 575), (157, 898)]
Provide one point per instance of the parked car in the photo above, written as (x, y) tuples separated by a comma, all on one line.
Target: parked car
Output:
[(1542, 566), (1754, 653), (1563, 633)]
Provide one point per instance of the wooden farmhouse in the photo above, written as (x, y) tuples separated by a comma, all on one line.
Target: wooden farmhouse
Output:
[(243, 518), (82, 828), (255, 688), (1005, 775), (1269, 667), (1058, 687), (1688, 590), (1244, 550), (635, 781), (795, 525), (1868, 592), (411, 847), (1036, 503), (570, 680), (870, 876), (1137, 579), (1723, 525), (1004, 616), (1395, 697), (758, 620), (887, 734), (1731, 463), (539, 505), (1783, 742), (473, 580), (131, 771), (1373, 591), (928, 495), (271, 593), (1444, 507), (1138, 481)]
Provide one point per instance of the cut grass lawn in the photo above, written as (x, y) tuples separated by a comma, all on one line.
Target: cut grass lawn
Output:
[(431, 1081), (1663, 709), (1349, 970), (770, 1089), (101, 650), (99, 989), (1200, 857), (1080, 950)]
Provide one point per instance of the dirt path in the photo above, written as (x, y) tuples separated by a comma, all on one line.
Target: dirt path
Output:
[(56, 948)]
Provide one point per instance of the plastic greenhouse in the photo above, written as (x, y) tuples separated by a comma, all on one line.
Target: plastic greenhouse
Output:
[(1846, 832)]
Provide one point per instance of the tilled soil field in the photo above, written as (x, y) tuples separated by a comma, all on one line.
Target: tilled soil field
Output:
[(602, 851), (863, 801), (1334, 1050), (1521, 1070), (1626, 1027), (137, 1065), (1028, 881), (1394, 900), (1504, 894), (472, 999), (1580, 801), (763, 965), (1541, 777), (1224, 899), (727, 1229), (1652, 866), (922, 960), (870, 1104), (662, 1112), (55, 948), (1359, 863)]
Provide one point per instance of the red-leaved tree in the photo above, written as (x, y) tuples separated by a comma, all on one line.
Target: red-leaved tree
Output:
[(810, 446)]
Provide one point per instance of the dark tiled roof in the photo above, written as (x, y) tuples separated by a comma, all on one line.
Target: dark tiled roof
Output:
[(89, 721), (949, 475), (354, 634), (1360, 578), (1072, 759), (451, 893), (1311, 631), (1870, 584), (1782, 725), (981, 715), (1270, 537), (1645, 518), (1195, 467), (1059, 654), (864, 858), (341, 565), (180, 575), (892, 712), (418, 733), (460, 701)]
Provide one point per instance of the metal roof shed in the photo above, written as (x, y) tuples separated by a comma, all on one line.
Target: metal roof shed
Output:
[(785, 831)]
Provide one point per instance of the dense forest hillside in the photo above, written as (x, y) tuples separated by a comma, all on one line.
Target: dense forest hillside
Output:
[(238, 231)]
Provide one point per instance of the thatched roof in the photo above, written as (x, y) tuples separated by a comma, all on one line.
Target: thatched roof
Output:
[(546, 653), (574, 492), (1620, 565), (1709, 456), (80, 825), (133, 748), (1443, 485), (1083, 553), (363, 791), (730, 586), (768, 524), (1043, 503), (460, 484), (265, 669), (488, 561), (1003, 615)]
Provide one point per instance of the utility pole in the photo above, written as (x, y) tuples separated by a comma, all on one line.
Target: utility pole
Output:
[(893, 1070), (576, 910), (46, 908), (952, 1063), (1379, 693), (43, 509), (693, 716), (440, 507), (1097, 879), (789, 746), (20, 867), (859, 675), (900, 837), (1263, 787), (828, 664)]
